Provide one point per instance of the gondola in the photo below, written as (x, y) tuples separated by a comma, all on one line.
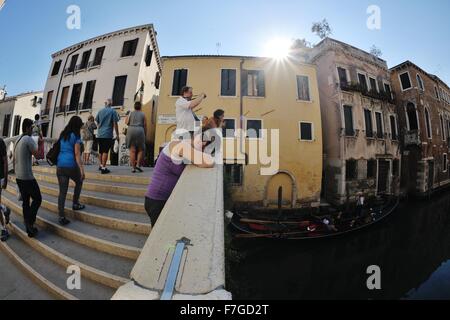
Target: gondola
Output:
[(321, 224)]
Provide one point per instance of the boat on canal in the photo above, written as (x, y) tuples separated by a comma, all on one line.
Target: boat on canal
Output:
[(312, 223)]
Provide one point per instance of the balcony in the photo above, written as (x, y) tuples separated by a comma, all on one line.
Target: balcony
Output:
[(61, 109), (356, 87), (412, 138), (74, 107), (93, 64)]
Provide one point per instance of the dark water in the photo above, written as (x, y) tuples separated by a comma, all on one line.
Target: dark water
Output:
[(411, 247)]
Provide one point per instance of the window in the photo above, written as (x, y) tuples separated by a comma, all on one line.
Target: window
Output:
[(179, 81), (157, 80), (396, 168), (253, 84), (368, 122), (350, 170), (428, 123), (254, 128), (119, 90), (148, 56), (394, 130), (303, 88), (387, 89), (342, 73), (362, 81), (412, 117), (306, 131), (6, 125), (228, 83), (129, 48), (420, 83), (373, 84), (75, 98), (405, 81), (73, 63), (348, 121), (441, 119), (17, 121), (98, 56), (444, 162), (379, 122), (233, 174), (85, 59), (229, 131), (48, 103), (89, 95), (371, 169), (64, 98), (56, 67)]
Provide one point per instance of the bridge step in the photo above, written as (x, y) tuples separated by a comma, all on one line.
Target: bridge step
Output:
[(52, 276), (117, 175), (100, 199), (108, 218)]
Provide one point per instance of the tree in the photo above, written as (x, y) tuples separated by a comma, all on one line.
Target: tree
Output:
[(322, 29), (374, 50), (300, 44)]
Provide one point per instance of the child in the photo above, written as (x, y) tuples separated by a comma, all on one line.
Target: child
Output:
[(4, 212)]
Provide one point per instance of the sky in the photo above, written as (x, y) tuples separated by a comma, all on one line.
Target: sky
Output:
[(31, 31)]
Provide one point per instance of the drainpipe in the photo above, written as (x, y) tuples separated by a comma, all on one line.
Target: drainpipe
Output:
[(59, 87), (241, 112)]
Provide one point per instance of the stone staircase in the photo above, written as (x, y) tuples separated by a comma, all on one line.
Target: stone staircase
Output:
[(104, 240)]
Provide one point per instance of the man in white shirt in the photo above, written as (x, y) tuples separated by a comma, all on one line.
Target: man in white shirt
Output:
[(186, 118)]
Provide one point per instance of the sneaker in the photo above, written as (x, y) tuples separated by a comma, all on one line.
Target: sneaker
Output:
[(105, 171), (139, 169), (78, 207), (4, 235), (7, 214), (63, 221)]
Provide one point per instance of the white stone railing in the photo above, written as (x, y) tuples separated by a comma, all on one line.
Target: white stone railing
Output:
[(194, 212), (11, 143)]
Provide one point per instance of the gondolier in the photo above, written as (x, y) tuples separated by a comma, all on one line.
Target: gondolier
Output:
[(185, 111)]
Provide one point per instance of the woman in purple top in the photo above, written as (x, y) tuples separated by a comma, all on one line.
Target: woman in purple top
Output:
[(168, 170)]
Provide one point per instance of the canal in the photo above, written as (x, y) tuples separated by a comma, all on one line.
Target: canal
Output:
[(411, 247)]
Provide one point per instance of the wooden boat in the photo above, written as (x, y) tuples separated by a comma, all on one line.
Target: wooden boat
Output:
[(313, 225)]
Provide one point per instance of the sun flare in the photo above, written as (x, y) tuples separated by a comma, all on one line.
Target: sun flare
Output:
[(278, 48)]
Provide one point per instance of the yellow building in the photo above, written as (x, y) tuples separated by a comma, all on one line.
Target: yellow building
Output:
[(280, 96)]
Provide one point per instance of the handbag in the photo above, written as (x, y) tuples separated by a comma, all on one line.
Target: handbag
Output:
[(53, 153)]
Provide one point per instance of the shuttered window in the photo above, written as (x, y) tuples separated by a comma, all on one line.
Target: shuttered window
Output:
[(348, 119), (148, 56), (85, 59), (303, 88), (73, 63), (89, 94), (64, 98), (253, 83), (379, 122), (119, 90), (368, 122), (157, 80), (228, 83), (342, 75), (394, 130), (56, 67), (362, 81), (98, 56), (129, 48), (75, 98), (179, 81), (17, 122), (6, 125)]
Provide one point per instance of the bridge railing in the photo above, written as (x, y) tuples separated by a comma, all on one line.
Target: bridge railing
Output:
[(11, 144), (184, 257)]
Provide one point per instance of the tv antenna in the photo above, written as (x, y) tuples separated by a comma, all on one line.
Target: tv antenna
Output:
[(218, 47)]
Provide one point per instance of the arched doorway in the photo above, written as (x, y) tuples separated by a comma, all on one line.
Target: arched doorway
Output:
[(287, 181)]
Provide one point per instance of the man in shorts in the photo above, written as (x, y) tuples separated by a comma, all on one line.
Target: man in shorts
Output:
[(107, 121)]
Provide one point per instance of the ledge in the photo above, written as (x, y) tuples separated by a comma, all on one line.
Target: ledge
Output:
[(195, 211)]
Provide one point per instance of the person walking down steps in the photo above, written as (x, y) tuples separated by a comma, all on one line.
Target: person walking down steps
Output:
[(28, 186), (70, 167), (4, 212)]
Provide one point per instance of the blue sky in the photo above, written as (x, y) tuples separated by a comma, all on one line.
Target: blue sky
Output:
[(32, 30)]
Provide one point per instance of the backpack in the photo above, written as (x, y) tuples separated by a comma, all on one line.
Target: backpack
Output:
[(53, 153)]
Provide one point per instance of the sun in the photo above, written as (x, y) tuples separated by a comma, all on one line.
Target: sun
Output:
[(278, 48)]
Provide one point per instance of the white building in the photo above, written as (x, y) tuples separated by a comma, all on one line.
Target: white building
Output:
[(123, 65), (14, 109)]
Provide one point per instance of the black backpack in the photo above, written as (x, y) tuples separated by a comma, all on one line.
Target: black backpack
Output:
[(53, 153)]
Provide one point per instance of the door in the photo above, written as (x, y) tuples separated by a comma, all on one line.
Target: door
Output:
[(430, 175), (383, 176)]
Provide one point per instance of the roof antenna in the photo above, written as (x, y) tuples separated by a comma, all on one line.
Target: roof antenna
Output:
[(218, 47)]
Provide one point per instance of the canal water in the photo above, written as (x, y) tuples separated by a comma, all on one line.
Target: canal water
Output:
[(411, 247)]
